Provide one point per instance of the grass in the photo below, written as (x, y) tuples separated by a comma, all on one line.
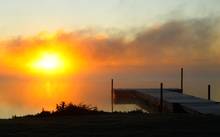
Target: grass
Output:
[(90, 122), (116, 124)]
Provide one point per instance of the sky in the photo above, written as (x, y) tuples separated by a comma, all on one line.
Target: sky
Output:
[(68, 50), (19, 17)]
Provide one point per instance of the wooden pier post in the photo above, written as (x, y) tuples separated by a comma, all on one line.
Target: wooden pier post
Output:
[(181, 80), (209, 92), (112, 90), (161, 97)]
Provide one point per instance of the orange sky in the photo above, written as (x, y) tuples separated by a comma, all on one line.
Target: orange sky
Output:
[(84, 61), (173, 43)]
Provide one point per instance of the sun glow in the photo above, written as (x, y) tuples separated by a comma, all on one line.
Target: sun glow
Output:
[(49, 62)]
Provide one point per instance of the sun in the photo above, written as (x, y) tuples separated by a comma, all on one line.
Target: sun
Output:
[(49, 62), (53, 62)]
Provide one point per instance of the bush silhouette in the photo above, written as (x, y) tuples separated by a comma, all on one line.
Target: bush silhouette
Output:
[(66, 109), (63, 109)]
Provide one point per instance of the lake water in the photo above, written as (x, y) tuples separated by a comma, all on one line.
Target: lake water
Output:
[(20, 96)]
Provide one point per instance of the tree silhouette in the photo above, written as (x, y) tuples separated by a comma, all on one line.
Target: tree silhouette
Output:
[(61, 107)]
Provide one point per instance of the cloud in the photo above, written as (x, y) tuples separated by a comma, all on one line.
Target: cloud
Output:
[(176, 42), (181, 40)]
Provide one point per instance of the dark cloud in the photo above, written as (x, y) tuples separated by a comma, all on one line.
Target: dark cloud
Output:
[(178, 41), (181, 42)]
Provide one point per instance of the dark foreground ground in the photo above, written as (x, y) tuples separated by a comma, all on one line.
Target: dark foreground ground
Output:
[(118, 125)]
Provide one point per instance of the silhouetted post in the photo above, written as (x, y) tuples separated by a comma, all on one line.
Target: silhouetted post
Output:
[(209, 92), (161, 97), (181, 80), (112, 88)]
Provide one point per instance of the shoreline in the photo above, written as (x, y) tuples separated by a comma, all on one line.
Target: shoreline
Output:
[(114, 125)]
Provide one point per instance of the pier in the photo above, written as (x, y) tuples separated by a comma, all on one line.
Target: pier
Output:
[(172, 101), (165, 99)]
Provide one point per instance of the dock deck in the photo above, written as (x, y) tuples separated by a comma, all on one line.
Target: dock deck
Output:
[(173, 101)]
